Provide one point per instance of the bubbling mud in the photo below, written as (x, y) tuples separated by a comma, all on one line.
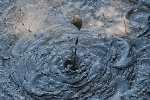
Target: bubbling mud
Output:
[(100, 67), (44, 57), (98, 63)]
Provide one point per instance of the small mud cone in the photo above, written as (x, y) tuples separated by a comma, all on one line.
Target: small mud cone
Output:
[(77, 21)]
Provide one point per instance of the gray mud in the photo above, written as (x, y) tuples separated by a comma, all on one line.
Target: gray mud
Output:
[(44, 57)]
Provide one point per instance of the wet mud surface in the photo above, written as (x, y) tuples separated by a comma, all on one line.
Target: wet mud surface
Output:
[(45, 57)]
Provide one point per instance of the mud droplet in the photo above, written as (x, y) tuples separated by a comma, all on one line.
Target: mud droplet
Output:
[(77, 21)]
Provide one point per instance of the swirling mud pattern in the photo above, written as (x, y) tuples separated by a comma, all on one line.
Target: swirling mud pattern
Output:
[(45, 57)]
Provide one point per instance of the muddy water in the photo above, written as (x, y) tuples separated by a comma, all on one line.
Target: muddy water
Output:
[(44, 57)]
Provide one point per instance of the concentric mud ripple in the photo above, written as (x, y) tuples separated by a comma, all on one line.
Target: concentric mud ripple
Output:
[(43, 57), (44, 67)]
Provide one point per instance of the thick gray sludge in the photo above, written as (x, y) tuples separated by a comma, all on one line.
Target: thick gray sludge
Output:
[(45, 57)]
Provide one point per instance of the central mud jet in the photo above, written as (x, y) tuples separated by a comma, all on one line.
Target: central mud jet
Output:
[(77, 21), (74, 66), (72, 62)]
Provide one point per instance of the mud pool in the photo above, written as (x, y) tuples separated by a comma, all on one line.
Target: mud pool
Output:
[(45, 57)]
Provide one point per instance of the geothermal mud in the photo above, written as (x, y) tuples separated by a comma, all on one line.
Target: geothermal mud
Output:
[(44, 57)]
